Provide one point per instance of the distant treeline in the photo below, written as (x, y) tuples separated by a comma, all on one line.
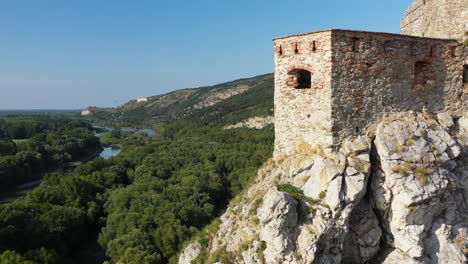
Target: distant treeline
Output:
[(27, 128), (32, 146), (144, 203)]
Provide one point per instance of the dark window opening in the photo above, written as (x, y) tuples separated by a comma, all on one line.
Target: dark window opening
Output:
[(356, 129), (465, 74), (432, 51), (280, 51), (453, 52), (314, 47), (296, 50), (304, 79), (422, 73), (355, 44), (300, 79)]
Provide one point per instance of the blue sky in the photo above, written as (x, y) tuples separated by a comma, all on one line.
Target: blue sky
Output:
[(57, 54)]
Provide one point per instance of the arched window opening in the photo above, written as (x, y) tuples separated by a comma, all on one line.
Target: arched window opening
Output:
[(300, 79), (422, 74)]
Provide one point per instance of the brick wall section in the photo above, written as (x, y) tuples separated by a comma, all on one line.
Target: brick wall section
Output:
[(358, 77), (375, 73), (302, 115)]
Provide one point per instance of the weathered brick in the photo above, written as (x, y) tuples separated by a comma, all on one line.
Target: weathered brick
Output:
[(358, 77)]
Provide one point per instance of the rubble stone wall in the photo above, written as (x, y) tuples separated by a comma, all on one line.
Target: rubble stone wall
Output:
[(359, 77), (379, 73), (302, 115)]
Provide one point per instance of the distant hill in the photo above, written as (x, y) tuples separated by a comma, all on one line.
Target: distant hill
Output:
[(220, 104)]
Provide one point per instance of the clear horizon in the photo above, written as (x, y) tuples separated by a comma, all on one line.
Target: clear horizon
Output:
[(64, 55)]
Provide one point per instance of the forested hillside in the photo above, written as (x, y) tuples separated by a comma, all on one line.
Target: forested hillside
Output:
[(221, 104), (142, 204)]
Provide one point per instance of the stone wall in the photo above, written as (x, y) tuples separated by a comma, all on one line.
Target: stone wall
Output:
[(437, 18), (357, 78), (302, 115), (379, 73)]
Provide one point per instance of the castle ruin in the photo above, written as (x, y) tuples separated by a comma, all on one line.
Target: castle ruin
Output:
[(332, 84)]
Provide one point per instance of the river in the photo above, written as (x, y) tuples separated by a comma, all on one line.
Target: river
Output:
[(109, 152), (106, 153), (112, 151), (149, 132)]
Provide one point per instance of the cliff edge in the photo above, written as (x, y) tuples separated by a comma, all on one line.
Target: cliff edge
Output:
[(397, 194)]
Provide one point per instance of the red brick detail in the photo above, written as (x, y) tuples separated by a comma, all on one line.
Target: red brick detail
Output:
[(358, 100), (300, 67)]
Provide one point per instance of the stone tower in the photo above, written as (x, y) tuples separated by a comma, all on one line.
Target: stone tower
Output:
[(437, 19), (334, 84)]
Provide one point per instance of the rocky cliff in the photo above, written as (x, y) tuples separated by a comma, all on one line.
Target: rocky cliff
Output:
[(256, 122), (396, 194)]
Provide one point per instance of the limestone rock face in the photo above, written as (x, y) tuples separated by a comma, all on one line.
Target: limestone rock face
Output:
[(417, 188), (397, 195), (190, 252), (278, 216), (256, 122), (86, 112)]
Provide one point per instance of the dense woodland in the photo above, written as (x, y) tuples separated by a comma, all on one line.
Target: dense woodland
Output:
[(142, 205), (32, 146)]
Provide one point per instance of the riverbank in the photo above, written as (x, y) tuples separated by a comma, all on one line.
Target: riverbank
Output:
[(11, 195), (110, 148)]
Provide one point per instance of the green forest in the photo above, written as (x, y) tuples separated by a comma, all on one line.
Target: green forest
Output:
[(32, 146), (138, 207), (143, 205)]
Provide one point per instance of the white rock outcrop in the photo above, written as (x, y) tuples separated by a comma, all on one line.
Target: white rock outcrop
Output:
[(256, 122), (190, 253), (86, 112), (397, 195)]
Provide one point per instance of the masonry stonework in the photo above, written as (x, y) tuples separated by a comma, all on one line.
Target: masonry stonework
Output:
[(303, 115), (356, 78), (437, 18)]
